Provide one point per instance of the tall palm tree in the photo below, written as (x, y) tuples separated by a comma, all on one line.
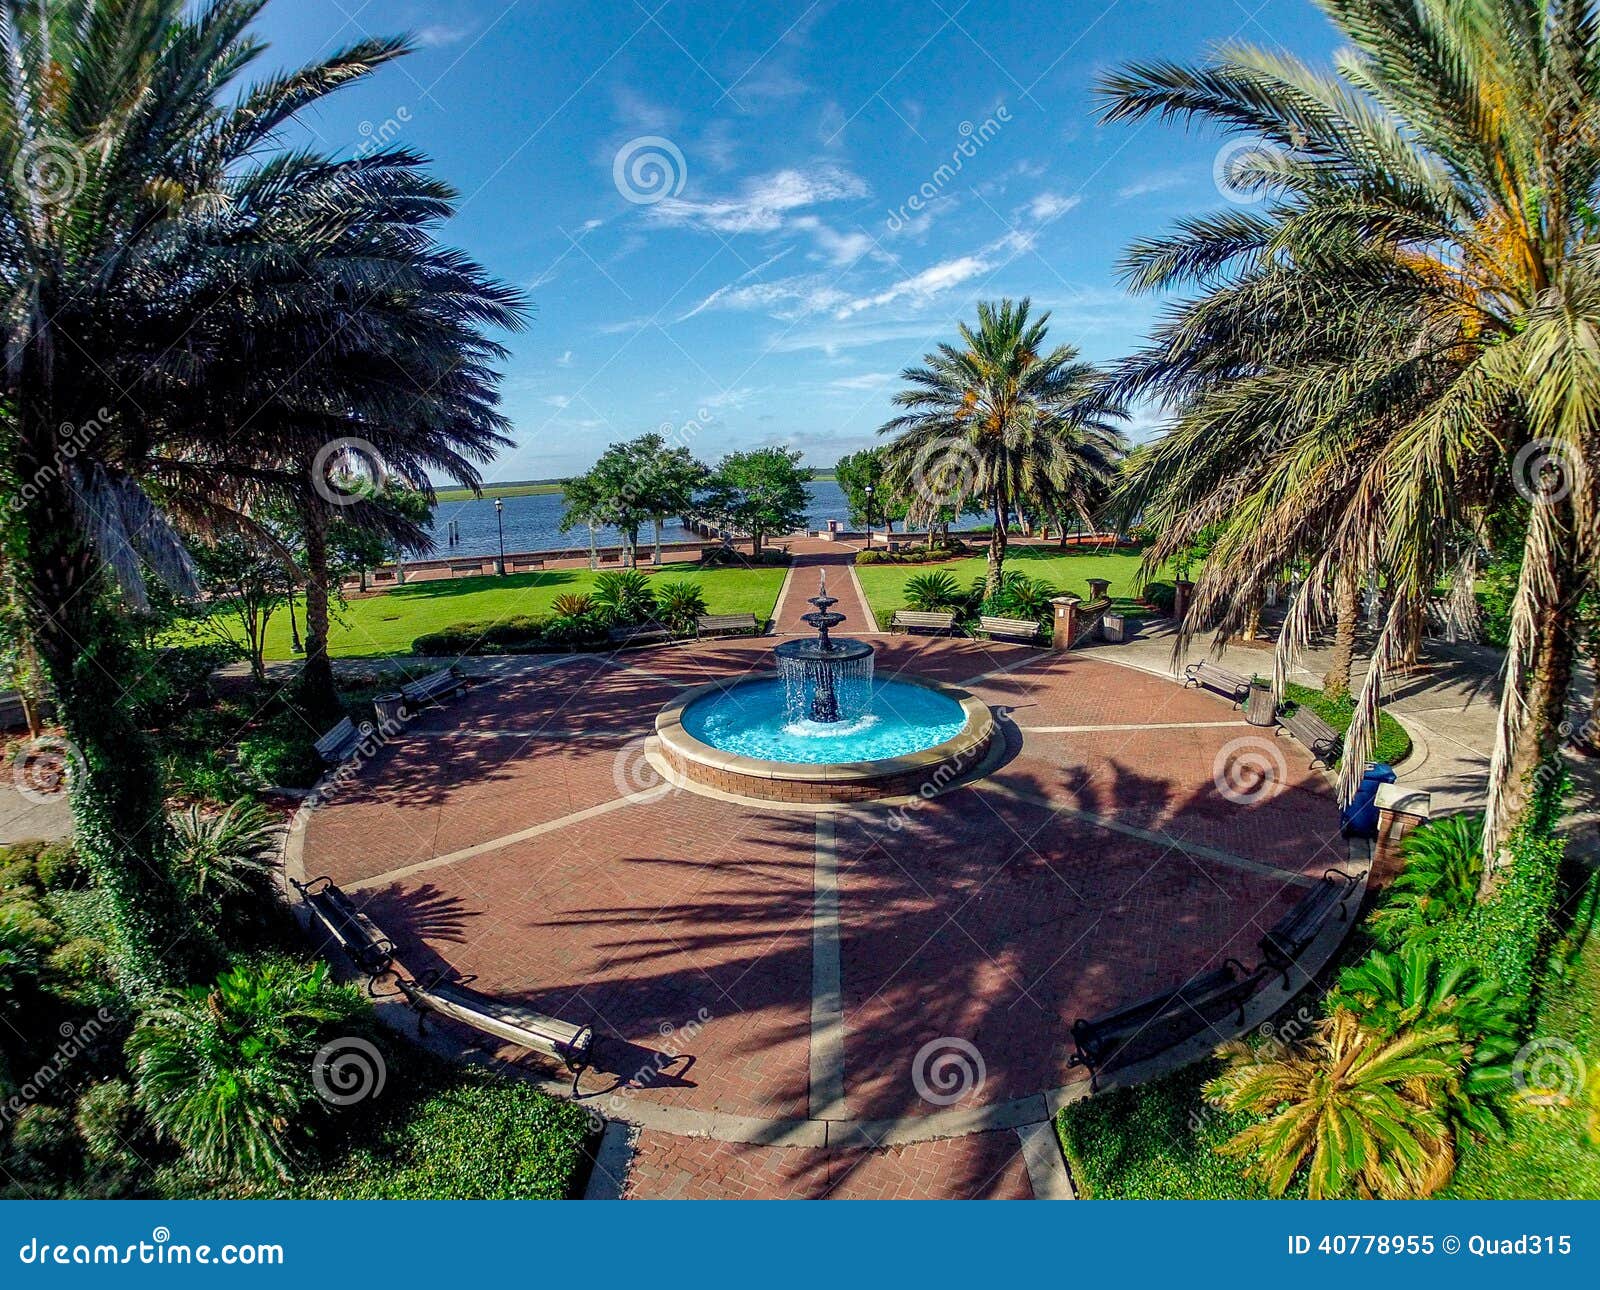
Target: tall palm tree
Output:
[(1002, 418), (1414, 306), (1359, 1112), (148, 237)]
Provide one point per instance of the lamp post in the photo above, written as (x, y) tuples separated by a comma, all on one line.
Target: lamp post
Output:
[(868, 491), (500, 523)]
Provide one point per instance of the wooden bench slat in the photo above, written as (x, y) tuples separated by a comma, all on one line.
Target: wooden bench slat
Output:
[(436, 685), (1290, 936), (639, 632), (716, 624), (1207, 675), (513, 1023), (1020, 628), (1321, 740), (356, 934), (337, 745), (929, 620)]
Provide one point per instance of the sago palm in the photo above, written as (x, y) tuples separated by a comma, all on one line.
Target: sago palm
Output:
[(1003, 418), (1358, 1112), (1413, 309)]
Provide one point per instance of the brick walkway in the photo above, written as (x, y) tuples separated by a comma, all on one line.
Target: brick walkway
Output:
[(834, 986)]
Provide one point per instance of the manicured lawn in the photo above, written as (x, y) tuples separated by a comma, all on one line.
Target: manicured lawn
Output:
[(884, 584), (387, 624)]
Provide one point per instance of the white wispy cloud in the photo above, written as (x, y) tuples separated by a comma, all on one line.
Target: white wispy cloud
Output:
[(1047, 206), (1159, 181), (784, 298), (440, 34), (564, 359), (765, 203), (863, 381), (919, 286)]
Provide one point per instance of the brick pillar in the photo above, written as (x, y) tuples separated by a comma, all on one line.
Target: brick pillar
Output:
[(1181, 589), (1400, 809), (1065, 625)]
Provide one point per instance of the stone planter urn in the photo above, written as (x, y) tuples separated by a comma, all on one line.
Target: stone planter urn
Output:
[(1259, 710), (1099, 588), (1182, 589)]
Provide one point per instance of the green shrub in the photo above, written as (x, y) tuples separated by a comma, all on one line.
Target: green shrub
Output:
[(1443, 860), (223, 861), (623, 596), (109, 1122), (44, 1147), (59, 867), (273, 757), (872, 557), (224, 1070), (572, 604), (1160, 595), (679, 603), (932, 592), (1020, 596)]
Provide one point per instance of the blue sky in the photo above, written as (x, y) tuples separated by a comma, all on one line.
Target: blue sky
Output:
[(742, 220)]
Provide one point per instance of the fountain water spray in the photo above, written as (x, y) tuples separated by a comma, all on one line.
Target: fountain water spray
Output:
[(825, 680)]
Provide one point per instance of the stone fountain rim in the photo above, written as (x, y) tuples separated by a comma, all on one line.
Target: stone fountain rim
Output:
[(976, 731)]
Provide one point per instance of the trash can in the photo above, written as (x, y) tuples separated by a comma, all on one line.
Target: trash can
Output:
[(1360, 817), (1114, 628), (390, 709), (1259, 709)]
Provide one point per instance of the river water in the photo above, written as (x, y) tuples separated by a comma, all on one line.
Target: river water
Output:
[(533, 523)]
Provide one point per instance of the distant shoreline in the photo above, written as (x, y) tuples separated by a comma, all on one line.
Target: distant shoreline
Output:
[(537, 487)]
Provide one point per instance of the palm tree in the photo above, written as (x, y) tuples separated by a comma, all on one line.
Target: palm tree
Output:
[(1002, 418), (150, 235), (1412, 309), (1358, 1111)]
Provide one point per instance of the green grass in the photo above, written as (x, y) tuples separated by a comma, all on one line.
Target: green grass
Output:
[(525, 489), (1155, 1142), (884, 584), (1392, 745), (387, 624)]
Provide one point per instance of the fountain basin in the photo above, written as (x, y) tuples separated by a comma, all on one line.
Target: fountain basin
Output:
[(828, 764)]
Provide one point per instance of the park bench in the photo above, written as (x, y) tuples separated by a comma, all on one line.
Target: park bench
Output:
[(726, 625), (639, 634), (339, 743), (1288, 938), (356, 934), (1024, 630), (1321, 740), (912, 620), (1159, 1021), (511, 1022), (525, 566), (436, 685), (471, 568), (383, 575), (1206, 675)]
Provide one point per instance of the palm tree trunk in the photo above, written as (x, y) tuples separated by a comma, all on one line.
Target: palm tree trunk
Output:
[(997, 547), (318, 691), (1538, 750), (117, 790), (1346, 609), (658, 541)]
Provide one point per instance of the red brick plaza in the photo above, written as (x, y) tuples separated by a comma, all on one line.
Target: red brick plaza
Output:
[(864, 1001)]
